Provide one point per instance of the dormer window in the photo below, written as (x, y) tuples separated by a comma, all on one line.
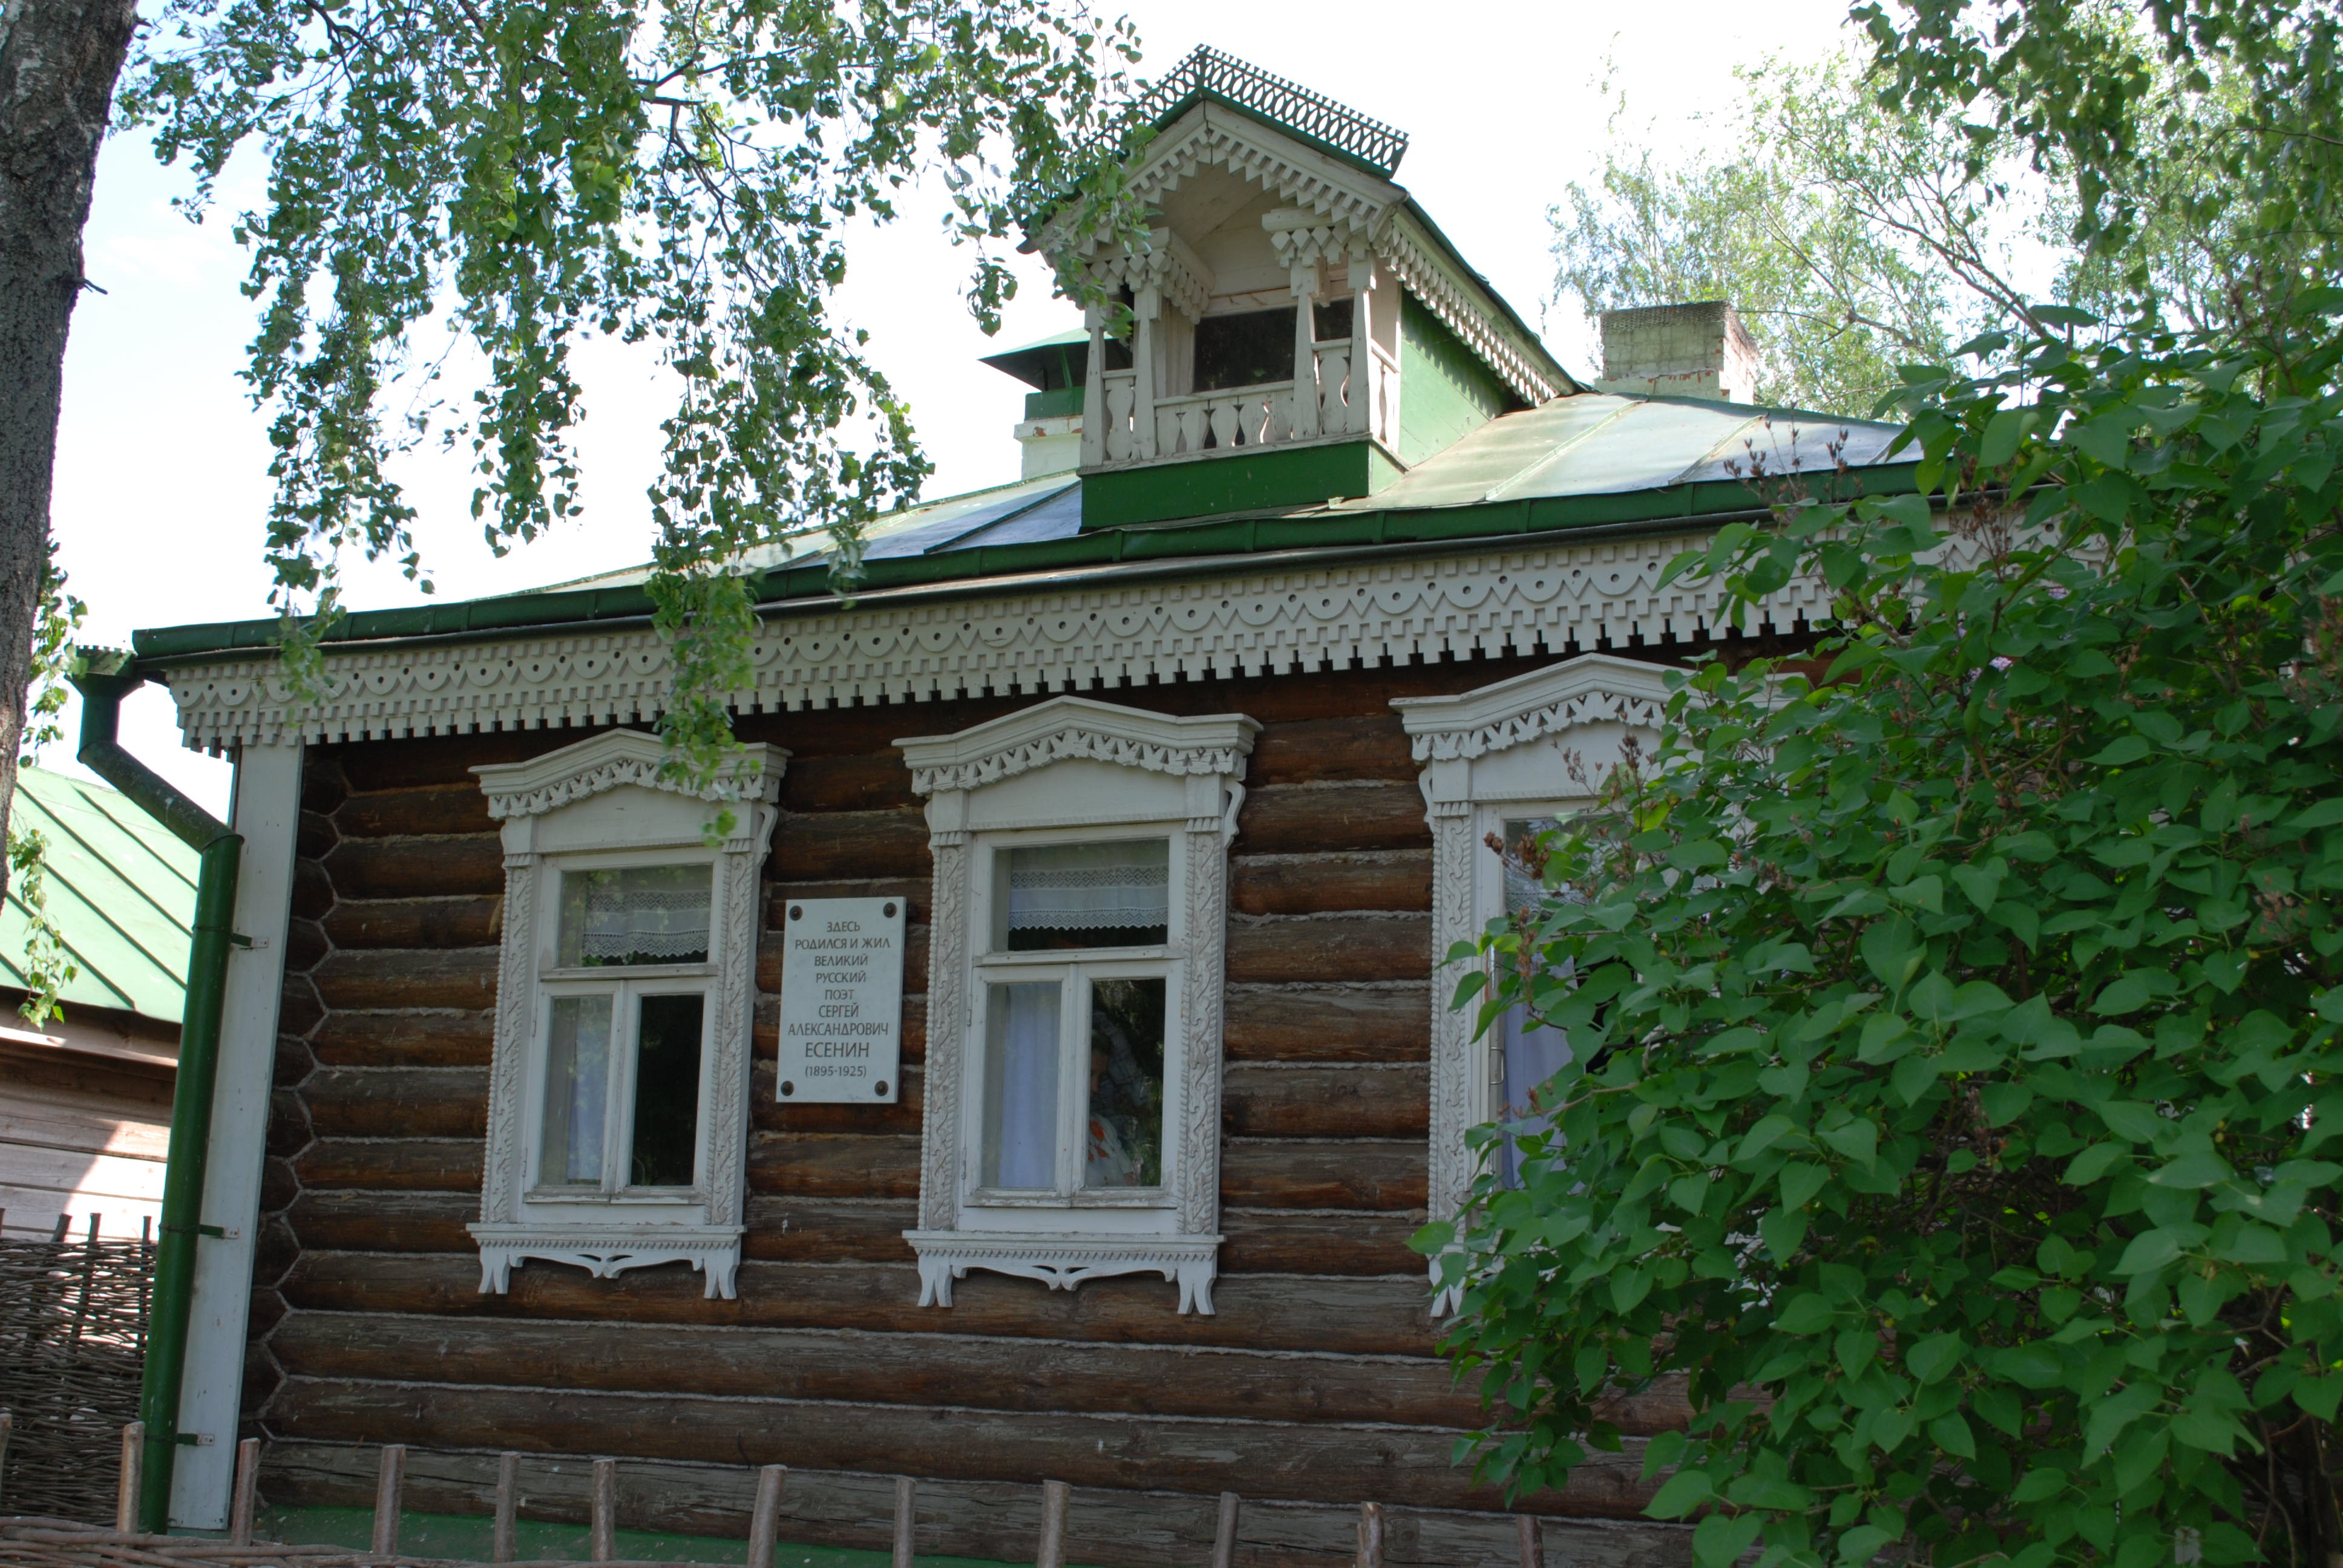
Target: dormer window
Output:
[(1250, 348)]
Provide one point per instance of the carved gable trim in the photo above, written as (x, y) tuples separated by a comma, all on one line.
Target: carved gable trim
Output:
[(1588, 690), (1461, 306), (1070, 727), (616, 759)]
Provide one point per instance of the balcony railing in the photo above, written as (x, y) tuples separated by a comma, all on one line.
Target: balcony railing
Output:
[(1263, 416)]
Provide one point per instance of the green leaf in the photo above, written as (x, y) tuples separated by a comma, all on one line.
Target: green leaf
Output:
[(2094, 1162), (2192, 1171), (2040, 1485), (2152, 1250), (1800, 1182), (1932, 1357), (1680, 1494), (1862, 1544), (1857, 1140), (2128, 992), (1722, 1538), (1805, 1314), (1951, 1434), (2002, 434), (2120, 752)]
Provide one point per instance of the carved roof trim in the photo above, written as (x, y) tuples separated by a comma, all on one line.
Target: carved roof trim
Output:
[(617, 758), (1078, 728), (1593, 689)]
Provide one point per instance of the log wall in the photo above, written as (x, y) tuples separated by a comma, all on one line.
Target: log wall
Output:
[(1313, 1389)]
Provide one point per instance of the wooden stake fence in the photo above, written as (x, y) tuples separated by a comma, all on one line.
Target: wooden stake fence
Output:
[(44, 1543)]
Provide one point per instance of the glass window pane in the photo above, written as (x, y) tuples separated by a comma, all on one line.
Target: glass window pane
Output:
[(1020, 1085), (1111, 895), (1247, 349), (638, 915), (576, 1091), (666, 1090), (1525, 890), (1531, 1056), (1123, 1140)]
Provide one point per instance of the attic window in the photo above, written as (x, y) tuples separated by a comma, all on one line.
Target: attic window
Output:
[(1331, 320), (1250, 348)]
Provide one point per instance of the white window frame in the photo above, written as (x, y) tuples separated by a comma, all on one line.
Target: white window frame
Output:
[(602, 804), (1076, 770), (1486, 757)]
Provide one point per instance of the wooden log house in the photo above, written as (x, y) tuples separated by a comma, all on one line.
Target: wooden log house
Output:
[(1162, 775)]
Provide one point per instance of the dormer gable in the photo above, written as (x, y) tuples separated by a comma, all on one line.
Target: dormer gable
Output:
[(1297, 328)]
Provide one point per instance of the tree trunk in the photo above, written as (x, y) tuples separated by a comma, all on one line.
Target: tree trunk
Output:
[(58, 61)]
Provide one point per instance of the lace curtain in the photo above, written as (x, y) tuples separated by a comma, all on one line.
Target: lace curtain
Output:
[(637, 915), (1091, 886)]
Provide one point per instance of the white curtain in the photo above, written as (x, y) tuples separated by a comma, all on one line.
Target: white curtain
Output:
[(1020, 1142), (577, 1090), (1091, 886), (640, 915)]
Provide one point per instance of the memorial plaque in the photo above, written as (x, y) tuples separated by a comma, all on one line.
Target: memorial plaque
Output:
[(841, 1001)]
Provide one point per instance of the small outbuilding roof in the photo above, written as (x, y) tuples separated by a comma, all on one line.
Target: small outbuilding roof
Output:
[(121, 889)]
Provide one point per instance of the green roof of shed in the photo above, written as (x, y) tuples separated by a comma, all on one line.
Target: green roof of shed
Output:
[(121, 889)]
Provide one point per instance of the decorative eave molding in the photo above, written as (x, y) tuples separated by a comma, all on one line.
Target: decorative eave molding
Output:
[(1509, 599), (1168, 266), (621, 756), (1461, 306), (1079, 727), (1063, 1263), (1589, 689), (1210, 135)]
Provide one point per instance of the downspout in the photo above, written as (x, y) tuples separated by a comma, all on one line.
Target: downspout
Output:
[(103, 684)]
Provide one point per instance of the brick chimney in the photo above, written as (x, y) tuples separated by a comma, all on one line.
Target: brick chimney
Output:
[(1697, 350)]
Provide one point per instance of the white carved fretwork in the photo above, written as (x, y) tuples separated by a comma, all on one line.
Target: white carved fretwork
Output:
[(1532, 742), (1501, 602), (602, 796), (1063, 1263), (1042, 768)]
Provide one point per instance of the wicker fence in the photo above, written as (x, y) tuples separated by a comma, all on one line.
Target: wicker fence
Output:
[(73, 1334)]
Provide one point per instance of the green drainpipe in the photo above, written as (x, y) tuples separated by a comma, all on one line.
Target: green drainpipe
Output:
[(103, 685)]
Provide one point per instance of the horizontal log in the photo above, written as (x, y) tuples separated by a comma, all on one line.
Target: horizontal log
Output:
[(418, 868), (352, 1038), (792, 1229), (1326, 1102), (943, 1370), (866, 781), (405, 1164), (1306, 1022), (1311, 818), (1316, 750), (431, 808), (456, 923), (1326, 1462), (1317, 949), (1340, 1173), (1384, 1316), (313, 834), (313, 889), (306, 943), (398, 1102), (379, 1222), (456, 978), (815, 1166), (423, 760), (1276, 1241), (323, 787), (995, 1521), (1353, 879), (822, 846)]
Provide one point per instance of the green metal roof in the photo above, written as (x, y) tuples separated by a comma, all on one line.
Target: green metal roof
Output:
[(1589, 460), (121, 889)]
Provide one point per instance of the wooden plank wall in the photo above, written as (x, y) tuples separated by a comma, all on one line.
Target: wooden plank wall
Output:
[(1313, 1389)]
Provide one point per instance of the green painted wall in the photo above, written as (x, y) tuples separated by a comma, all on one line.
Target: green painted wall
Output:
[(1446, 393), (1248, 480)]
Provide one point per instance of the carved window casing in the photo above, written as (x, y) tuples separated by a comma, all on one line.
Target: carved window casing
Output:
[(618, 1094), (1519, 753), (1074, 995)]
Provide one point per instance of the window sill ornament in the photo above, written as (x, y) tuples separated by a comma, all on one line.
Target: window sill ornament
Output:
[(1062, 1262), (1071, 763), (604, 795), (1512, 743)]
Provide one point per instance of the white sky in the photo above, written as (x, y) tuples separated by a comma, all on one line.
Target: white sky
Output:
[(161, 485)]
